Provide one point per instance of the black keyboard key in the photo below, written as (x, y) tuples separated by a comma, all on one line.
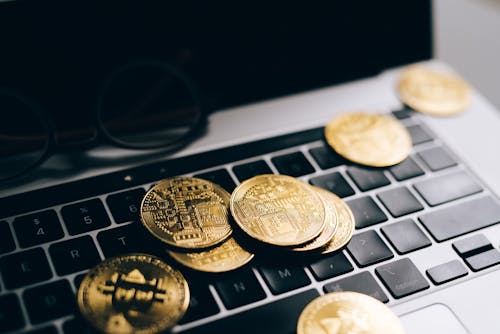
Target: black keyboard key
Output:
[(125, 206), (131, 238), (78, 326), (366, 212), (11, 316), (326, 157), (362, 283), (402, 278), (419, 135), (446, 272), (406, 169), (333, 182), (220, 177), (37, 228), (74, 255), (85, 216), (405, 236), (368, 248), (462, 218), (284, 278), (403, 113), (49, 301), (251, 169), (400, 201), (447, 188), (293, 164), (437, 158), (201, 303), (7, 244), (44, 330), (78, 280), (483, 260), (331, 266), (472, 245), (279, 317), (367, 178), (239, 288), (25, 268)]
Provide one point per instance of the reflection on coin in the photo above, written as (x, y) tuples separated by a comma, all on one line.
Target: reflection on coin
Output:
[(345, 229), (331, 223), (187, 212), (225, 257), (346, 313), (278, 210), (433, 92), (135, 293), (369, 139)]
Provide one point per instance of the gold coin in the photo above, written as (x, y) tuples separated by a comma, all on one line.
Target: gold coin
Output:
[(369, 139), (345, 229), (135, 293), (225, 257), (347, 313), (278, 209), (187, 212), (331, 224), (433, 92)]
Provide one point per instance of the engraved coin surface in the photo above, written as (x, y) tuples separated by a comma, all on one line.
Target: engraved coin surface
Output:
[(345, 229), (331, 223), (187, 212), (433, 92), (278, 209), (135, 293), (369, 139), (225, 257), (348, 313)]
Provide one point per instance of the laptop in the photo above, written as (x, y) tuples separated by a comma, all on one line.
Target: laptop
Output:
[(270, 76)]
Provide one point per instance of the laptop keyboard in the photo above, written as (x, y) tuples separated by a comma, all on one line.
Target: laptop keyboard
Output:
[(50, 237)]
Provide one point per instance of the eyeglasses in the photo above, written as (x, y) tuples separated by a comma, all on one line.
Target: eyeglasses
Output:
[(143, 105)]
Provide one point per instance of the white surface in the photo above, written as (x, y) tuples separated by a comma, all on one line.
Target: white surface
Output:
[(467, 36), (417, 322)]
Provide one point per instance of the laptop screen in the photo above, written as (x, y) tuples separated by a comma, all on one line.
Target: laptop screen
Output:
[(61, 54)]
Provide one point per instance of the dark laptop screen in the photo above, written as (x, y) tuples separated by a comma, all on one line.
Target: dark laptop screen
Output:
[(59, 53)]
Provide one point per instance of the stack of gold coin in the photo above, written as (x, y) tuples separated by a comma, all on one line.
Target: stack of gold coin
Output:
[(282, 211), (433, 92), (134, 293), (373, 140), (348, 312), (191, 217)]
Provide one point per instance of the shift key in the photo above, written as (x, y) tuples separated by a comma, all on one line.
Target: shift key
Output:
[(462, 218)]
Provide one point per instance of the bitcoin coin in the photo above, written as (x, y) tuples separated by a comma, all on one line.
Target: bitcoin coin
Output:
[(135, 293), (187, 212), (345, 229), (225, 257), (347, 313), (369, 139), (331, 223), (279, 210), (433, 92)]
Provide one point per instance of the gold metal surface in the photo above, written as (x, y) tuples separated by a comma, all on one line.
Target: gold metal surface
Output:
[(279, 210), (433, 92), (345, 229), (135, 293), (369, 139), (187, 212), (225, 257), (348, 313), (331, 222)]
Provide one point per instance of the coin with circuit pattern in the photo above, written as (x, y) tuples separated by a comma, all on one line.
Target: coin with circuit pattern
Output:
[(187, 212)]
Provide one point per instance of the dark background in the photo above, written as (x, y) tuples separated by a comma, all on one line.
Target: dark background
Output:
[(58, 53)]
